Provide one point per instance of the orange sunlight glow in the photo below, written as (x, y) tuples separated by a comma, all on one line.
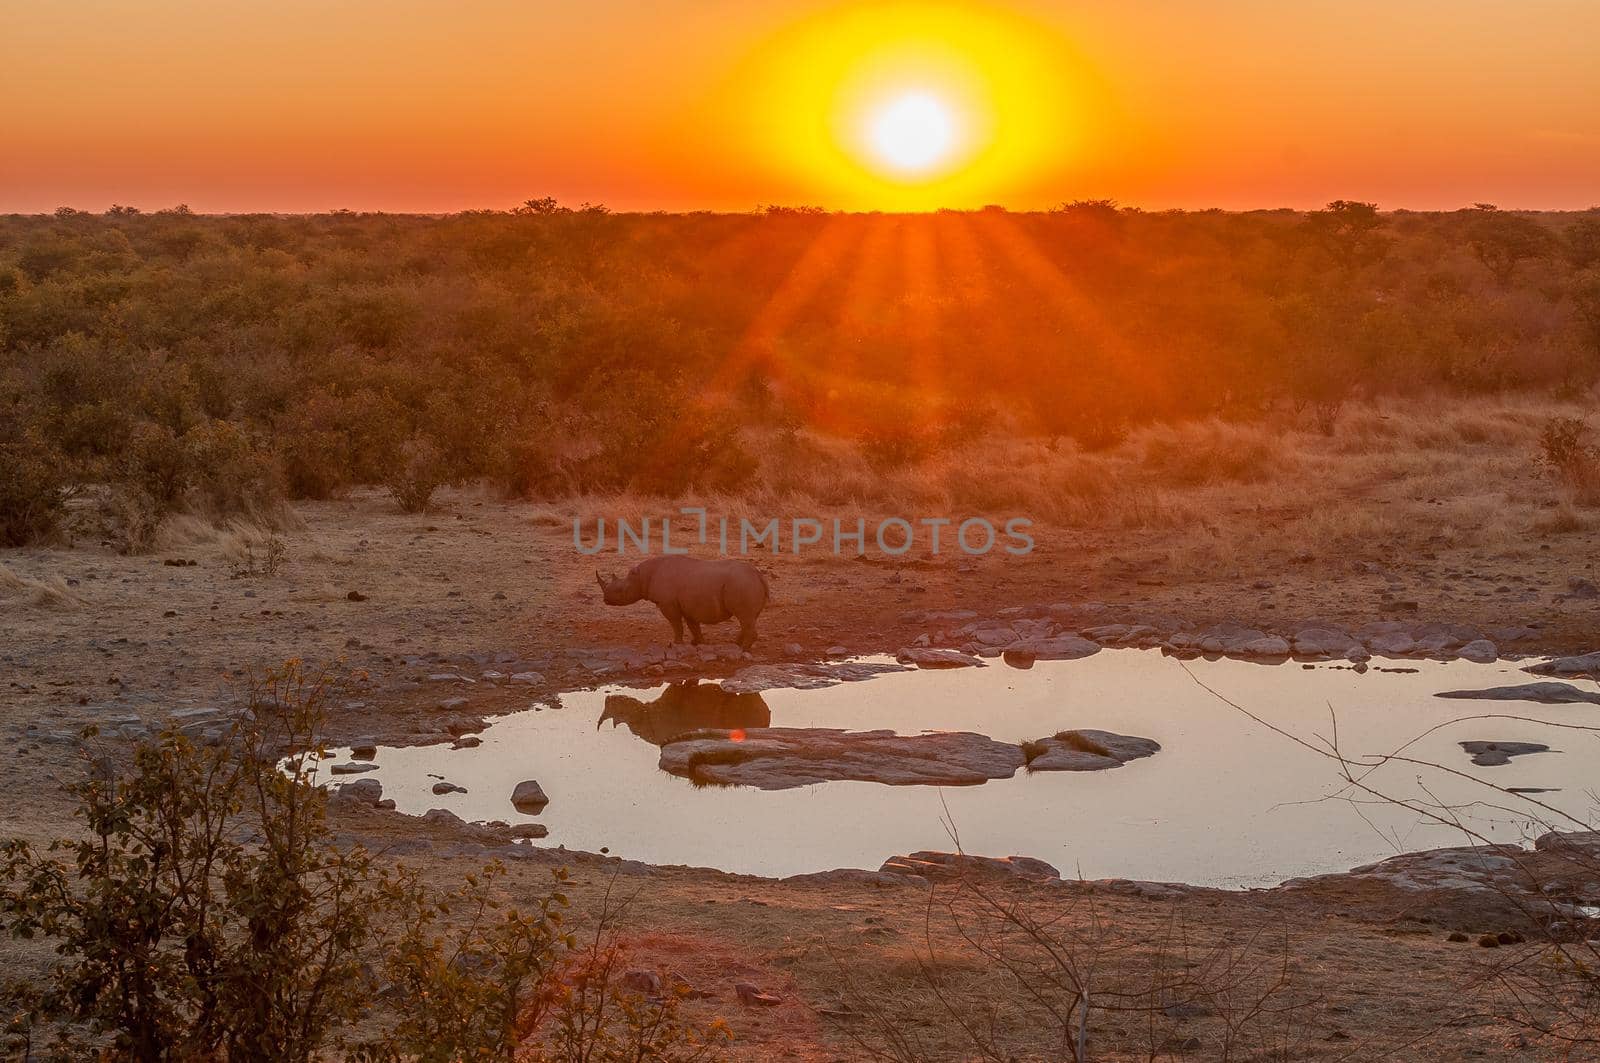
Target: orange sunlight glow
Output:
[(911, 106)]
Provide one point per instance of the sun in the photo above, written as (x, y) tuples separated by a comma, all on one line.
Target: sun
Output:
[(913, 133), (906, 105)]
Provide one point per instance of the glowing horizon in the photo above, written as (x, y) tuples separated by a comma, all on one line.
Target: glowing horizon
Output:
[(719, 105)]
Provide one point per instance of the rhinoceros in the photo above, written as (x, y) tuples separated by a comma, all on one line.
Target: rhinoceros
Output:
[(693, 591)]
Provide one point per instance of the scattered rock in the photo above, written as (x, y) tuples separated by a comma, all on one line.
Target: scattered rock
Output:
[(780, 758), (456, 726), (1056, 648), (933, 658), (529, 797), (531, 678), (929, 864), (448, 788), (751, 997), (645, 983), (352, 768), (1579, 589), (1493, 754), (1457, 936), (355, 596), (443, 817), (364, 748), (1584, 666), (529, 830), (1019, 658), (1267, 646), (467, 741), (1543, 693), (365, 791), (1481, 651)]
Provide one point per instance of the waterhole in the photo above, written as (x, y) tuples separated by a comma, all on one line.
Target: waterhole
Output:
[(1228, 801)]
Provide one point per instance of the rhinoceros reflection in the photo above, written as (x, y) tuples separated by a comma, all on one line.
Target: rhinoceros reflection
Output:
[(685, 706)]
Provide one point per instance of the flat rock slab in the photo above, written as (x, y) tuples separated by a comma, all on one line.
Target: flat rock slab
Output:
[(1583, 666), (1543, 693), (1494, 754), (1088, 750), (781, 758), (924, 657), (935, 865)]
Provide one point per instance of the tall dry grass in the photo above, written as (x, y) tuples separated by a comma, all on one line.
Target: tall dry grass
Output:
[(48, 592)]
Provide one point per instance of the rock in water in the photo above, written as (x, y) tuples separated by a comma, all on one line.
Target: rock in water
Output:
[(1493, 754), (1543, 693), (1583, 666), (780, 758), (1087, 750), (352, 769), (529, 797)]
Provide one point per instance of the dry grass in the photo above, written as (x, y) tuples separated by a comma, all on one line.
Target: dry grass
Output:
[(50, 592), (1389, 473)]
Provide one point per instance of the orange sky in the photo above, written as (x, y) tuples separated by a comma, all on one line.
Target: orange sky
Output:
[(427, 105)]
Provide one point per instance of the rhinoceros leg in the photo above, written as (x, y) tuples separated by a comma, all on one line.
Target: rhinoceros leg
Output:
[(675, 618), (694, 629), (747, 632)]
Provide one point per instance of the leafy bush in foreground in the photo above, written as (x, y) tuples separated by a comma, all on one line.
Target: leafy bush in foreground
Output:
[(207, 914)]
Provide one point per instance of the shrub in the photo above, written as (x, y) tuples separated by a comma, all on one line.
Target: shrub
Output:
[(894, 446), (229, 473), (33, 491), (157, 464), (415, 472), (1572, 460), (208, 914), (130, 518)]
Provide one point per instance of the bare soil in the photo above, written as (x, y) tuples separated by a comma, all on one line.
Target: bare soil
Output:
[(1369, 971)]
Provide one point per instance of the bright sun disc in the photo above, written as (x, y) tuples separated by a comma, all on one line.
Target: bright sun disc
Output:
[(913, 132)]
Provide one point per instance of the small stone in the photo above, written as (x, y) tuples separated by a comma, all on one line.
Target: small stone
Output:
[(1457, 936), (645, 983), (529, 830), (751, 996), (366, 791), (355, 596), (364, 748), (448, 788), (1489, 941)]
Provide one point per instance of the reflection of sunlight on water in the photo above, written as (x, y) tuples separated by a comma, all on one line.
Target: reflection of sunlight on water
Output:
[(1226, 802)]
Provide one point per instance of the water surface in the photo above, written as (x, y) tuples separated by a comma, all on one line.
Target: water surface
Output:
[(1227, 802)]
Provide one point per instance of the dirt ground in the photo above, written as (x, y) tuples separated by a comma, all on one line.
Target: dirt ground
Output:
[(1367, 977)]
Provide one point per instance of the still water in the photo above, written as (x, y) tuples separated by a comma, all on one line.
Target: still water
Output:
[(1227, 802)]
